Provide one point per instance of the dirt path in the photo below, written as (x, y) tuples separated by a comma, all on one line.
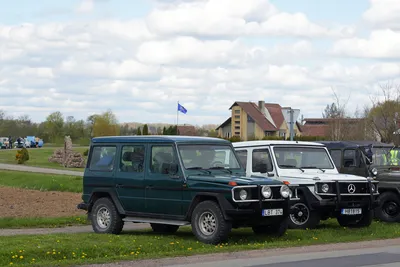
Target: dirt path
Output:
[(18, 202), (67, 230), (23, 168)]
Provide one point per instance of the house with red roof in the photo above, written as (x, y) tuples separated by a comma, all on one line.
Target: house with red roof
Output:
[(250, 120)]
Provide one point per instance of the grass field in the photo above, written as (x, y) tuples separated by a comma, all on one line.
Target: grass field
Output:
[(68, 249), (38, 157), (41, 182), (15, 223)]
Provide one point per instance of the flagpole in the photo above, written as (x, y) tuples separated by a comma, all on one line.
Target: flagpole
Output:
[(177, 117)]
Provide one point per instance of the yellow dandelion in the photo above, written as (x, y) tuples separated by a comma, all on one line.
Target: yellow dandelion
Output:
[(21, 257)]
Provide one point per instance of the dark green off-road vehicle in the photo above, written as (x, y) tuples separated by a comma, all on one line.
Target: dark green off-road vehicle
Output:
[(171, 181)]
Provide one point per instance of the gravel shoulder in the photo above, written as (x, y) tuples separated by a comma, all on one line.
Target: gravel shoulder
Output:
[(293, 252), (23, 168)]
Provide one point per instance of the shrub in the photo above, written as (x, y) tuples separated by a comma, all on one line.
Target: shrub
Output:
[(86, 152), (22, 156)]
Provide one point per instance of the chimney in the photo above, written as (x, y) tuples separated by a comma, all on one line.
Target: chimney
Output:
[(261, 105)]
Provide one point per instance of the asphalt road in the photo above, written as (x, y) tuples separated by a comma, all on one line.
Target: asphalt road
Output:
[(379, 253), (24, 168)]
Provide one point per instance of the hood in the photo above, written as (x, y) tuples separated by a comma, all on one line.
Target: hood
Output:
[(240, 180), (322, 176)]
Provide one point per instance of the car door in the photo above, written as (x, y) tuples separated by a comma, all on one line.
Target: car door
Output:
[(129, 178), (163, 190), (261, 161)]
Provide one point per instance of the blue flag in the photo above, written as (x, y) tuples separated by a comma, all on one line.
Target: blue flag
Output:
[(181, 109)]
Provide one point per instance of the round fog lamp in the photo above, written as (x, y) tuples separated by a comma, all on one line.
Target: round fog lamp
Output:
[(243, 194), (285, 191), (373, 188), (266, 191), (325, 188)]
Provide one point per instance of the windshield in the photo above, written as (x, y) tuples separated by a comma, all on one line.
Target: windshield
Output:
[(302, 157), (208, 157)]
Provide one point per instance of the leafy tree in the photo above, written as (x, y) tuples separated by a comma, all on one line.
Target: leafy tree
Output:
[(145, 130), (139, 132), (164, 131), (105, 124), (54, 126)]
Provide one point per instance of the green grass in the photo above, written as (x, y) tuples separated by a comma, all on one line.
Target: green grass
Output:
[(71, 249), (38, 157), (41, 181), (15, 223)]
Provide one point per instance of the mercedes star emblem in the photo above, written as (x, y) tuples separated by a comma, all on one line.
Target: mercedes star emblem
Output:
[(351, 188)]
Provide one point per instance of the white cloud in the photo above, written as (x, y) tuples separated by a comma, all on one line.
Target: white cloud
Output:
[(85, 6), (380, 44), (383, 14)]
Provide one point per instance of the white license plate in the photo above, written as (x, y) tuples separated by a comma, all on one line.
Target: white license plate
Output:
[(272, 212), (351, 211)]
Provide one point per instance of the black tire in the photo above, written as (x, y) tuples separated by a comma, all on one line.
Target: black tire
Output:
[(111, 221), (389, 207), (164, 228), (204, 216), (301, 217), (356, 221), (277, 230)]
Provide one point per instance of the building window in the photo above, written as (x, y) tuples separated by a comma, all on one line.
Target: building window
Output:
[(237, 122), (237, 133), (237, 117), (237, 127), (237, 111)]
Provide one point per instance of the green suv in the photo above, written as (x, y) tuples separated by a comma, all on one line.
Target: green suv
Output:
[(172, 181)]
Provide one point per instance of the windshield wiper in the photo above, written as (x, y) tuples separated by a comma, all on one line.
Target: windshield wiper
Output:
[(221, 168), (291, 166), (200, 169), (313, 167)]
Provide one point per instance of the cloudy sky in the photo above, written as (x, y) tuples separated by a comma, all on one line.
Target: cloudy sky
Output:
[(139, 57)]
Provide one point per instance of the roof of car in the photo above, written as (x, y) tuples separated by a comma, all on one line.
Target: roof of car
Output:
[(158, 139), (273, 143), (354, 144)]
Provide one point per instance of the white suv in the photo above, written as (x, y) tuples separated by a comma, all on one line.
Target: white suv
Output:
[(323, 191)]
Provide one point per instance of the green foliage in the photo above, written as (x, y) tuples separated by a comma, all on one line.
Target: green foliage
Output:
[(86, 152), (145, 130), (235, 139), (139, 132), (54, 125), (22, 156), (171, 130), (105, 124), (41, 222)]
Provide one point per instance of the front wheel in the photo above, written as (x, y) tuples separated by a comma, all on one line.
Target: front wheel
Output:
[(389, 207), (105, 217), (364, 220), (301, 217), (209, 224)]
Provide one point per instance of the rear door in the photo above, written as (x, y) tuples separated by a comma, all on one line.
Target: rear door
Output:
[(129, 180)]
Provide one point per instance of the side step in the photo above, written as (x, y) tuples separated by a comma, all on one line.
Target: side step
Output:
[(150, 220)]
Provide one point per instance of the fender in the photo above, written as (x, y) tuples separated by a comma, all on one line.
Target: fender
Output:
[(307, 195), (384, 186), (96, 192), (220, 198)]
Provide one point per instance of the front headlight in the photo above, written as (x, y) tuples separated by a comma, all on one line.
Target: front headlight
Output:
[(285, 191), (243, 194), (266, 191), (374, 171), (325, 188)]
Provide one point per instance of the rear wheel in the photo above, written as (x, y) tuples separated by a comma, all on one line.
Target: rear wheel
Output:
[(209, 224), (105, 217), (164, 228), (389, 207)]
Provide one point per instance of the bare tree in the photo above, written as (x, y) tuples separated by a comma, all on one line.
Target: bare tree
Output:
[(384, 115)]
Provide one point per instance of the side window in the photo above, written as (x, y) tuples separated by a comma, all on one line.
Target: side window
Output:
[(349, 157), (132, 159), (337, 157), (242, 155), (262, 157), (161, 158), (102, 158)]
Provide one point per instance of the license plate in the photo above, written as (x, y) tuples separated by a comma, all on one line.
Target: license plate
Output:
[(272, 212), (351, 211)]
